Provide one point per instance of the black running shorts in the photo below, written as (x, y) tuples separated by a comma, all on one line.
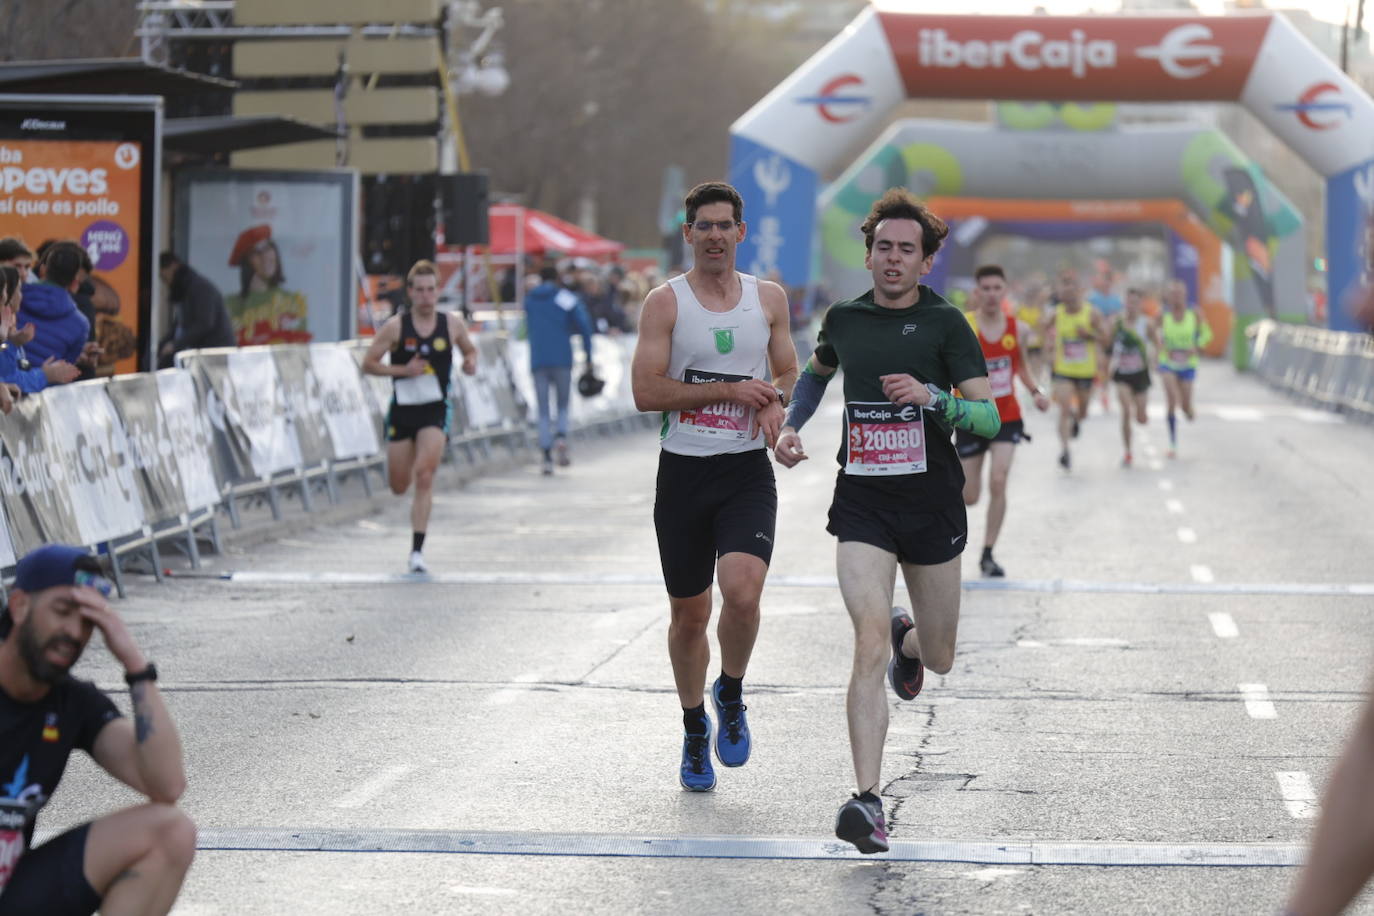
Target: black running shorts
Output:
[(403, 422), (51, 880), (1136, 381), (969, 444), (924, 536), (708, 507), (1082, 384)]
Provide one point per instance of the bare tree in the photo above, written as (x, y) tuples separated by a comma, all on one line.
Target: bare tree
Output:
[(605, 95), (51, 29)]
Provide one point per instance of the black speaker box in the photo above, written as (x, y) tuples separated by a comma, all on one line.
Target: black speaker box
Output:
[(463, 202)]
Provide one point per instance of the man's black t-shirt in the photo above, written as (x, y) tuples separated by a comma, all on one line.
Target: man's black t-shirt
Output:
[(898, 458), (35, 741)]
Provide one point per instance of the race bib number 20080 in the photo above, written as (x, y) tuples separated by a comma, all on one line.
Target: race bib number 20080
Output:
[(725, 420), (884, 439)]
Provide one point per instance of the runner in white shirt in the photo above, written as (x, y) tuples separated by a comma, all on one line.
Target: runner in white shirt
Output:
[(707, 341)]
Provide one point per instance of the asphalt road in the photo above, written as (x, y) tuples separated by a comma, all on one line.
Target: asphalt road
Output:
[(1153, 687)]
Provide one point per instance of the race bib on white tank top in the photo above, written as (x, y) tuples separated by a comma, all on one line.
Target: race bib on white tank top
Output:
[(710, 346)]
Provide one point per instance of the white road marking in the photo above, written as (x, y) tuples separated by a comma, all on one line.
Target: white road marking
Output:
[(1257, 702), (1240, 414), (1091, 642), (1009, 852), (1155, 464), (1187, 535), (368, 524), (508, 694), (655, 580), (1201, 573), (1317, 416), (992, 874), (1174, 506), (1224, 625), (467, 890), (364, 792), (1166, 485), (1298, 795)]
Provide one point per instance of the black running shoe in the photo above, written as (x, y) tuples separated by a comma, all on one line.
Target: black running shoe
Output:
[(862, 823), (905, 674), (1064, 459), (991, 569)]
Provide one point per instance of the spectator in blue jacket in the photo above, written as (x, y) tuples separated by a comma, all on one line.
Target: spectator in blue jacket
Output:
[(62, 331), (15, 368), (552, 315)]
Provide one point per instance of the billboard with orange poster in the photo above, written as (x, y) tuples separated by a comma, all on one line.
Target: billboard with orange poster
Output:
[(85, 169)]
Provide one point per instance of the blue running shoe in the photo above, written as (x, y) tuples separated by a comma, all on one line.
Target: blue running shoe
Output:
[(697, 774), (732, 743)]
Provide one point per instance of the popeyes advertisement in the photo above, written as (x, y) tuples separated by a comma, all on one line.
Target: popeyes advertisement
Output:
[(87, 191)]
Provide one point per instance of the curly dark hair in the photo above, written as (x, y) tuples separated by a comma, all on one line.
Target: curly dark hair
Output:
[(899, 203)]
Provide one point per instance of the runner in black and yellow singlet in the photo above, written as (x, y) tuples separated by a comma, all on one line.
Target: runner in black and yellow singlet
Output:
[(420, 341), (898, 497), (1132, 331)]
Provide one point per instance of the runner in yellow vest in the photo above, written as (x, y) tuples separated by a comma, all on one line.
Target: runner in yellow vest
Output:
[(1032, 312), (1182, 335), (1076, 331)]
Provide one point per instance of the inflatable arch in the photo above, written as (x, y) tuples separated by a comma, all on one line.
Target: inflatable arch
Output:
[(810, 123), (1201, 251), (1199, 166)]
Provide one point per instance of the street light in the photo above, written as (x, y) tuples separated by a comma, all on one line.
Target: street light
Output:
[(487, 76)]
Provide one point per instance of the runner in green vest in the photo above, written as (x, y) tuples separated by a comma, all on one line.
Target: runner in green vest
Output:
[(1182, 335)]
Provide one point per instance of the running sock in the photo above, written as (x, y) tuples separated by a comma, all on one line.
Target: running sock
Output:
[(730, 688), (694, 721), (868, 798), (417, 541), (987, 553), (548, 454), (1173, 430)]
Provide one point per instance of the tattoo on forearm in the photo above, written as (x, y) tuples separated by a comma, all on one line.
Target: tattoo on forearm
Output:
[(143, 720)]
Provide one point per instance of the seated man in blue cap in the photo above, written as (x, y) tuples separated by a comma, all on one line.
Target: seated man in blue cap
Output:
[(131, 861)]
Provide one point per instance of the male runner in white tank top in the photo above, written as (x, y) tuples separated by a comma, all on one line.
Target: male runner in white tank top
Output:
[(707, 340)]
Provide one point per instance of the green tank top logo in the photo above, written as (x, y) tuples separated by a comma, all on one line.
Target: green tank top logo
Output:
[(725, 340)]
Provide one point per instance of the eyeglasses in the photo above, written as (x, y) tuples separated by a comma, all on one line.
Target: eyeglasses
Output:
[(705, 225)]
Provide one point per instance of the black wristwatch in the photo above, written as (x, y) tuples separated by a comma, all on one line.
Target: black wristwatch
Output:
[(147, 674)]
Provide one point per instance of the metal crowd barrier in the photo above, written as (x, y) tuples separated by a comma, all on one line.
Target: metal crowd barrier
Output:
[(123, 465), (1329, 369)]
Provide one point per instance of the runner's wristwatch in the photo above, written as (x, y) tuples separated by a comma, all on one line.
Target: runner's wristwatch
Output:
[(782, 396), (147, 674)]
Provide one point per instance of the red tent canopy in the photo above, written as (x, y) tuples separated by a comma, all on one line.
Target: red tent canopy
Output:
[(522, 230)]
